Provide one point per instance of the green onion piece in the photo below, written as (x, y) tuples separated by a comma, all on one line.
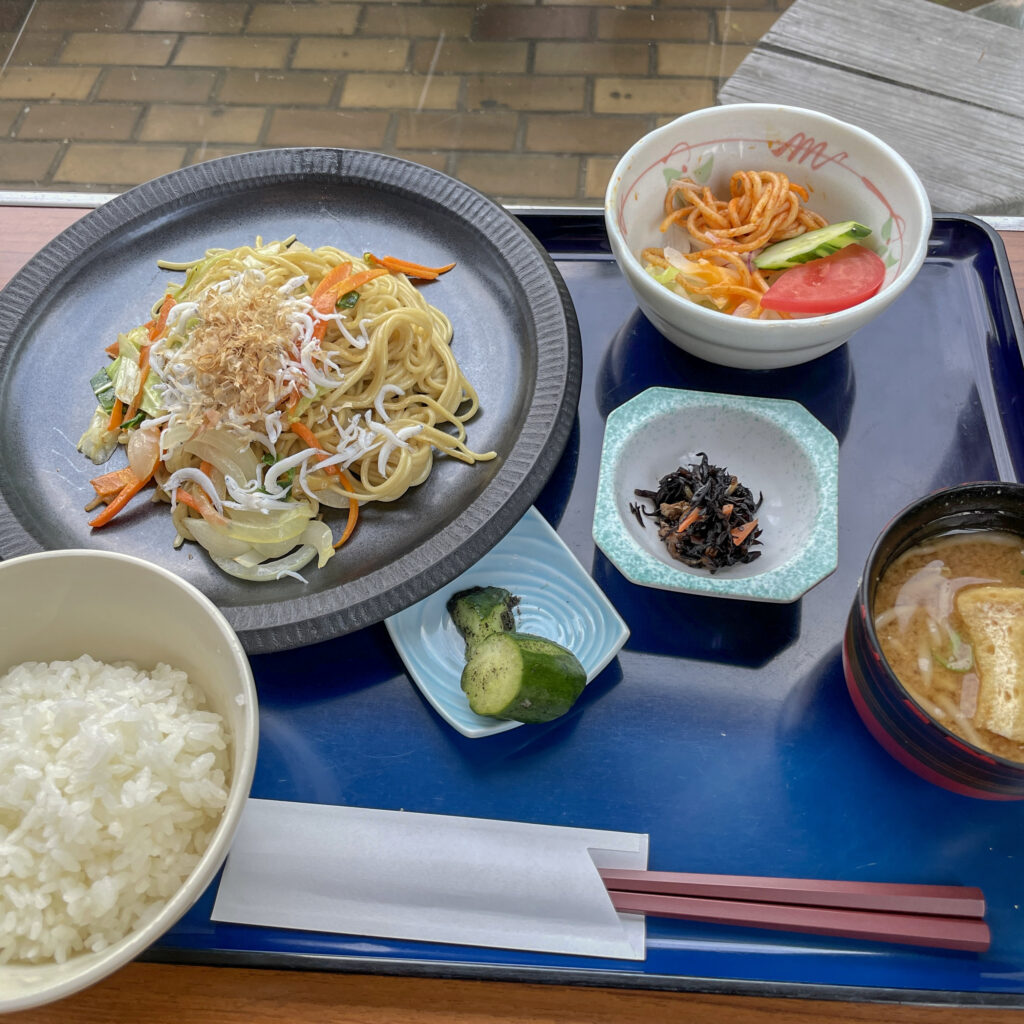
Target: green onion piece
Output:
[(134, 421), (103, 388), (347, 301)]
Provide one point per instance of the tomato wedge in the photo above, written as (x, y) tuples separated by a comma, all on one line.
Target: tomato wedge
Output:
[(827, 285)]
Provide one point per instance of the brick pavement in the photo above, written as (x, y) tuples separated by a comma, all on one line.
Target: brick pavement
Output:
[(528, 100)]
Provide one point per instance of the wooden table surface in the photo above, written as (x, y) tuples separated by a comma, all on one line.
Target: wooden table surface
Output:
[(176, 994), (951, 102)]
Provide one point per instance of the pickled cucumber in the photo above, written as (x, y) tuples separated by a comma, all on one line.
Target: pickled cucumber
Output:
[(481, 611), (522, 678)]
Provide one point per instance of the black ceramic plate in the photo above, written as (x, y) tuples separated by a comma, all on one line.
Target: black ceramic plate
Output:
[(516, 338)]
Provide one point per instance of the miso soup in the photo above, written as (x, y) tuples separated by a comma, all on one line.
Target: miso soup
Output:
[(949, 615)]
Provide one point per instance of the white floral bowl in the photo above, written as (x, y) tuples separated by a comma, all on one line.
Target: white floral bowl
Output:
[(773, 446), (850, 174)]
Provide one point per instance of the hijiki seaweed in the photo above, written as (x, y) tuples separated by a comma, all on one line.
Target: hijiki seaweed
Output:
[(705, 516)]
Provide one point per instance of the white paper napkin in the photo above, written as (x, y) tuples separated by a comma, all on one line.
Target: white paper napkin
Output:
[(433, 878)]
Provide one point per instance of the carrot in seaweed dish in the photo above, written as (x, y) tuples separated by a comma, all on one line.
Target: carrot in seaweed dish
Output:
[(705, 516), (275, 384)]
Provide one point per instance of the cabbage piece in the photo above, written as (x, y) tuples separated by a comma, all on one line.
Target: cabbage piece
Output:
[(124, 371), (98, 443), (126, 378)]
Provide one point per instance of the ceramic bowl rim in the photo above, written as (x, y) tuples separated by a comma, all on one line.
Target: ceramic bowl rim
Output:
[(799, 574), (863, 595), (245, 746), (744, 326)]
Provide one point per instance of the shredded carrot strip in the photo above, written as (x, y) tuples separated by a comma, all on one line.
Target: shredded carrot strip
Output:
[(110, 484), (330, 279), (417, 270), (307, 435), (740, 533), (200, 503), (113, 348), (181, 495), (727, 510), (324, 299), (127, 493), (353, 512), (116, 415), (688, 521), (157, 327)]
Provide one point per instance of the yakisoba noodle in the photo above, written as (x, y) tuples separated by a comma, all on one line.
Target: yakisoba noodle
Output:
[(291, 379), (764, 207)]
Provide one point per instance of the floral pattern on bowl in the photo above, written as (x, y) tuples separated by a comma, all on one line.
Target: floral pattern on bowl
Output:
[(848, 173), (775, 447), (840, 190)]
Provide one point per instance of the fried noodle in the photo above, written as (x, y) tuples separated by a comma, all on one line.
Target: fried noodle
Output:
[(294, 379)]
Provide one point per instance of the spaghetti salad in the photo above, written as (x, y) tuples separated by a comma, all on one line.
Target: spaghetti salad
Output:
[(763, 207), (277, 380)]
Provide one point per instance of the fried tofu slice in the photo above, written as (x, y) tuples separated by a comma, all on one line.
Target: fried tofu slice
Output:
[(994, 616)]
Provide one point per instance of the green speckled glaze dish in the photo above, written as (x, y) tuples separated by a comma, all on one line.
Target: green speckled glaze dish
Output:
[(776, 448)]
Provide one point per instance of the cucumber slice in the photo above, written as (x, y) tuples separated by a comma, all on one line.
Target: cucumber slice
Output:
[(811, 245), (522, 678), (481, 611)]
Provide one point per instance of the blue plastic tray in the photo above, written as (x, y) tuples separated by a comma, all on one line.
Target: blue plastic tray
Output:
[(723, 729)]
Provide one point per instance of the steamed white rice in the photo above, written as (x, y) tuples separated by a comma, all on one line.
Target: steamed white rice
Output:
[(112, 782)]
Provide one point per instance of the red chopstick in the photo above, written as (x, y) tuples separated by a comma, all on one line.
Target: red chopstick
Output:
[(942, 900), (969, 934)]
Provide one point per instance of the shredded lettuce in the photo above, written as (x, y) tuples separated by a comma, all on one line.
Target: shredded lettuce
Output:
[(669, 277)]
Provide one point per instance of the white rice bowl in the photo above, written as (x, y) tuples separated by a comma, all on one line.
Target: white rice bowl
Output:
[(112, 781), (128, 736)]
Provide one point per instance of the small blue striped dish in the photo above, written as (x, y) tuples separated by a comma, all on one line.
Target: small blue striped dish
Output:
[(557, 600)]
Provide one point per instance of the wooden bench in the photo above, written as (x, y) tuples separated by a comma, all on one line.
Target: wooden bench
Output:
[(943, 88)]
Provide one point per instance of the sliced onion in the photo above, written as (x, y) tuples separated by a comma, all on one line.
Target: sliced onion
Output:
[(271, 528), (676, 257), (268, 571), (229, 453), (333, 497), (217, 542), (319, 535), (174, 435), (143, 452), (275, 549)]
